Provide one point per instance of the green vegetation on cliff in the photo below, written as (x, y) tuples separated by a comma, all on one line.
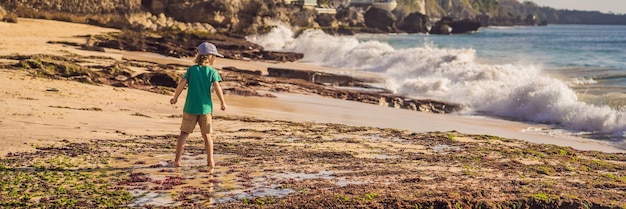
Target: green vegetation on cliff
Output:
[(244, 17), (512, 12)]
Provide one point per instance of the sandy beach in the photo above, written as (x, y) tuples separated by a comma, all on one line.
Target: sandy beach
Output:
[(295, 150), (27, 38)]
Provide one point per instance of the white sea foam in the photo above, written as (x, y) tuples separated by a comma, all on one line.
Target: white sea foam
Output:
[(514, 91), (275, 40), (582, 81)]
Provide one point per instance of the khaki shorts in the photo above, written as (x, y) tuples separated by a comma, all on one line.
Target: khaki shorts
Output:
[(190, 121)]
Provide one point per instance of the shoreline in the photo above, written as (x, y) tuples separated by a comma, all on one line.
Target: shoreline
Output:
[(358, 114), (478, 124), (535, 133)]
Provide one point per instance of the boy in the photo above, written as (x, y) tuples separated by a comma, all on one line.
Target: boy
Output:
[(198, 105)]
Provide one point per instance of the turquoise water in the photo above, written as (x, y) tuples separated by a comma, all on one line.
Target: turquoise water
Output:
[(589, 51), (570, 76), (554, 45)]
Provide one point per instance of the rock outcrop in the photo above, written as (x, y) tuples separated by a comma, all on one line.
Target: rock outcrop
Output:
[(231, 16), (314, 76), (183, 44), (149, 21), (82, 7), (381, 20), (464, 26), (442, 26), (350, 17), (235, 16), (6, 16), (327, 20), (448, 25), (163, 79), (2, 13), (415, 23)]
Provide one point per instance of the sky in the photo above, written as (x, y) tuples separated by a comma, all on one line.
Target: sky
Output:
[(605, 6)]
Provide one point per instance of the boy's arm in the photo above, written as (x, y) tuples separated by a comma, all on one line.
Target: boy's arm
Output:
[(179, 89), (220, 94)]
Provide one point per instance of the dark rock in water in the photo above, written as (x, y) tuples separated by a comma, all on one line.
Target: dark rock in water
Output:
[(380, 19), (414, 23), (448, 25), (464, 26), (442, 26)]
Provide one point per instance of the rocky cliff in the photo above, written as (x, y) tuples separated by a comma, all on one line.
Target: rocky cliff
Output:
[(237, 16), (232, 16), (242, 17), (514, 12), (84, 7)]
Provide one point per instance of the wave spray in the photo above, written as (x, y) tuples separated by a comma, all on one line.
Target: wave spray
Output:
[(512, 91)]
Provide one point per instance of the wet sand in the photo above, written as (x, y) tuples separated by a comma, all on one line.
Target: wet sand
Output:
[(325, 110)]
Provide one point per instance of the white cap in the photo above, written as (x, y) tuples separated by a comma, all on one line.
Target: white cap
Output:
[(207, 48)]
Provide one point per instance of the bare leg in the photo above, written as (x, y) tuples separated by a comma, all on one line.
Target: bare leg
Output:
[(208, 145), (180, 146)]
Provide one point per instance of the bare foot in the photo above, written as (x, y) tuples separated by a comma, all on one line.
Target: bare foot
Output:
[(176, 164)]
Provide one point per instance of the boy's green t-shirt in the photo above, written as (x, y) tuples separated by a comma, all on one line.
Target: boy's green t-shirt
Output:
[(200, 80)]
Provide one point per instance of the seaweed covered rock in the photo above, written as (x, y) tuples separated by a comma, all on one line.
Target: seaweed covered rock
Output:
[(160, 78), (183, 44), (55, 67)]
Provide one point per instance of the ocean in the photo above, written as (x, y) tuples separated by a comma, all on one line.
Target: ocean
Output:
[(571, 77)]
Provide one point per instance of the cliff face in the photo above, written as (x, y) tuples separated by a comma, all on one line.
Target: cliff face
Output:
[(512, 12), (2, 12), (239, 16), (93, 7), (243, 17), (233, 16)]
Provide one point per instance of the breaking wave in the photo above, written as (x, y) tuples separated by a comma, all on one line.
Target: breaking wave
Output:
[(513, 91)]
